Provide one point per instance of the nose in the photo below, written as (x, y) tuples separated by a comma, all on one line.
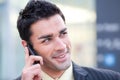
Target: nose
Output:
[(60, 44)]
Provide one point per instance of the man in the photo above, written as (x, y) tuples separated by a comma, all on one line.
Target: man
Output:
[(44, 35)]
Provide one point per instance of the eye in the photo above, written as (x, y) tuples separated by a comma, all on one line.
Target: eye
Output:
[(63, 34), (46, 40)]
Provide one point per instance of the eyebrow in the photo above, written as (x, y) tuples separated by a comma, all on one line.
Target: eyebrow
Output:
[(45, 36), (50, 35), (63, 30)]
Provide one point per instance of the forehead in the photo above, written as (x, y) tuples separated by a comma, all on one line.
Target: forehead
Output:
[(49, 25)]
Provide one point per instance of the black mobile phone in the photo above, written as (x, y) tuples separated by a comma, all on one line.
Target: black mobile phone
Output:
[(31, 50)]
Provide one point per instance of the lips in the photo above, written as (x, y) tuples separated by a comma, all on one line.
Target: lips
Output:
[(61, 57)]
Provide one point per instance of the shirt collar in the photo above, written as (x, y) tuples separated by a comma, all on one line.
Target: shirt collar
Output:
[(67, 75)]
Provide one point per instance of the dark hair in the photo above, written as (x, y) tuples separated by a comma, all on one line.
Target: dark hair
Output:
[(35, 10)]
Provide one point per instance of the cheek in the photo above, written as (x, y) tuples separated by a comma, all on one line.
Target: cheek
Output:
[(67, 41), (45, 51)]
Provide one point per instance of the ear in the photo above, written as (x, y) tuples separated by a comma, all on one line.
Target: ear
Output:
[(24, 43)]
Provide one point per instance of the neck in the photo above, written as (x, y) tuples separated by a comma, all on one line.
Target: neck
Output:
[(52, 73)]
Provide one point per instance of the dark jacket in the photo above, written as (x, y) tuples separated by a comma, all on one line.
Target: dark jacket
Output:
[(85, 73)]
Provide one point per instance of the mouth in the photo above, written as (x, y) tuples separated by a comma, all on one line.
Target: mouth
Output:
[(61, 58)]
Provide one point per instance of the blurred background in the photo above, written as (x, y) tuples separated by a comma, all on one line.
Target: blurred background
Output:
[(94, 28)]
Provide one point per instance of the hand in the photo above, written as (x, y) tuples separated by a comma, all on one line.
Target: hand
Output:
[(30, 71)]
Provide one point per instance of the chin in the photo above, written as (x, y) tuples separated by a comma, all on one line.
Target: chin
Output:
[(63, 66)]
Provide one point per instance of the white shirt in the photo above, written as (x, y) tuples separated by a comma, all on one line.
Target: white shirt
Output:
[(67, 75)]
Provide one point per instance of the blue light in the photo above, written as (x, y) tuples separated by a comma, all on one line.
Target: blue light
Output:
[(109, 59)]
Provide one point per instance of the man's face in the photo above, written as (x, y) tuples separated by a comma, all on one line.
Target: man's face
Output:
[(50, 40)]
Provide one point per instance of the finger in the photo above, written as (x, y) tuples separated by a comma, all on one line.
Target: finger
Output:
[(26, 54), (31, 72), (37, 75), (32, 68), (33, 58)]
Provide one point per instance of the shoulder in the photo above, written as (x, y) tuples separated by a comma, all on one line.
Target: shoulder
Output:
[(97, 74), (103, 73)]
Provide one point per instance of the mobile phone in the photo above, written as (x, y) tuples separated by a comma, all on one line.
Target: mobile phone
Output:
[(31, 50)]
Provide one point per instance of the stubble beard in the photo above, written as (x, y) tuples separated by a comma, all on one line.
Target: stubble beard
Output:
[(56, 66)]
